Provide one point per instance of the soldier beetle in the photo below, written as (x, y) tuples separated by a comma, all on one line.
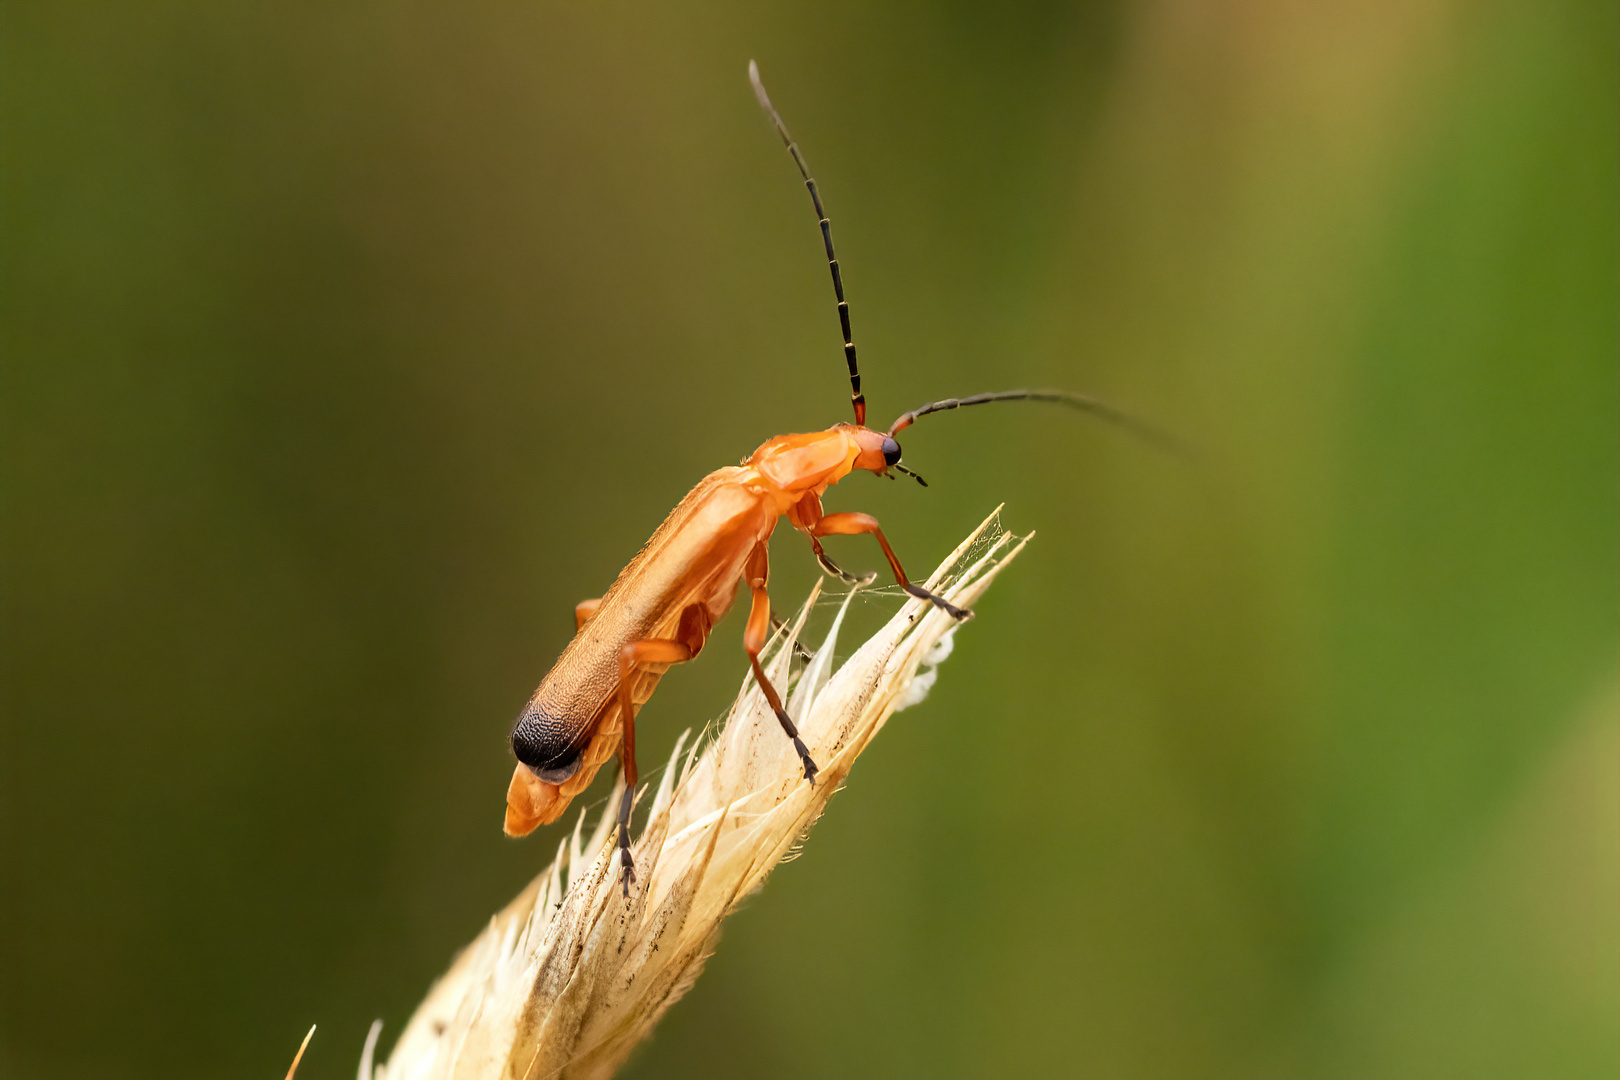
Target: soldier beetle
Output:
[(661, 608)]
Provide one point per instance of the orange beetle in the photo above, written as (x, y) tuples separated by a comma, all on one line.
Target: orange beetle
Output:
[(660, 609)]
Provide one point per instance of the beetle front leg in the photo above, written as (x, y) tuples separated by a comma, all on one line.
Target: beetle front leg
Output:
[(854, 525), (651, 651), (804, 514), (755, 574)]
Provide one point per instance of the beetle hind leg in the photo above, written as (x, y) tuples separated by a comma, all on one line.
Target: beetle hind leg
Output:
[(759, 621)]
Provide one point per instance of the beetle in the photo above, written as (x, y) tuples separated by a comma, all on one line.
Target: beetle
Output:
[(663, 605)]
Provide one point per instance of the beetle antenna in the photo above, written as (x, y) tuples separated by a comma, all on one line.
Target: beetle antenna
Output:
[(901, 468), (856, 398), (1100, 409)]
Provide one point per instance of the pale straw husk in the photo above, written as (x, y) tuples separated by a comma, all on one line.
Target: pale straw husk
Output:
[(572, 975)]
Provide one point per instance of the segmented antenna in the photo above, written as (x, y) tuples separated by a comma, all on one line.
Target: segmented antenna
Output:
[(856, 398), (901, 468), (1099, 409)]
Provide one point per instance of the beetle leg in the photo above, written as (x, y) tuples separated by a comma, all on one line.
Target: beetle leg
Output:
[(855, 524), (804, 514), (834, 569), (651, 651), (583, 612), (759, 620), (798, 650)]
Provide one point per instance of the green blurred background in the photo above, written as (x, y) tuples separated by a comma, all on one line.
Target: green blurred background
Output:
[(347, 346)]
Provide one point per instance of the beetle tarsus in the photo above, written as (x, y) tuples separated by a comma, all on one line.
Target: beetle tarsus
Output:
[(809, 763), (798, 649), (839, 572), (792, 732), (959, 614), (627, 865)]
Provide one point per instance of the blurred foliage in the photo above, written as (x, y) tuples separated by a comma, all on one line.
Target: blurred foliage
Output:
[(347, 346)]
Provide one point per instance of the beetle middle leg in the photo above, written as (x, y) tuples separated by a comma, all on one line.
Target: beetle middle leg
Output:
[(755, 573), (651, 651), (854, 525)]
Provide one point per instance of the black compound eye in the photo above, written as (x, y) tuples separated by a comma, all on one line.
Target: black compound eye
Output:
[(891, 451)]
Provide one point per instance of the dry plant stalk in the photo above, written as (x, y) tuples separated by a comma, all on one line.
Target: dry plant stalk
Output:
[(572, 975)]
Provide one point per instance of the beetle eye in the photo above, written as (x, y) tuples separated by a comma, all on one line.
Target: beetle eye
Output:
[(891, 451)]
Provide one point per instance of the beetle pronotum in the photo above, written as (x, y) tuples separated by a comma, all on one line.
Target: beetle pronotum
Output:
[(660, 609)]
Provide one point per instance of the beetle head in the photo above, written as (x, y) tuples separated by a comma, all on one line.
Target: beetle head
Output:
[(878, 452)]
